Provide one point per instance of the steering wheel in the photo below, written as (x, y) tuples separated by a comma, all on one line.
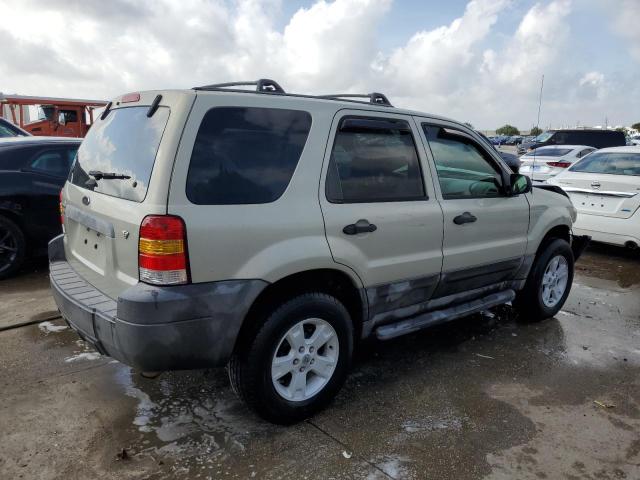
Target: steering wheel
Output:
[(485, 185)]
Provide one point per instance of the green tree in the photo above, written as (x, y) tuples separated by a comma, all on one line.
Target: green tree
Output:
[(508, 130), (535, 131), (636, 126)]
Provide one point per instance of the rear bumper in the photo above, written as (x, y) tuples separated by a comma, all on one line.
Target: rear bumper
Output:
[(154, 328), (611, 230)]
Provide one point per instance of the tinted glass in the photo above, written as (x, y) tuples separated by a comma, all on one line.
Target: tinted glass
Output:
[(54, 162), (464, 168), (374, 161), (609, 163), (549, 152), (543, 137), (126, 143), (6, 131), (245, 155)]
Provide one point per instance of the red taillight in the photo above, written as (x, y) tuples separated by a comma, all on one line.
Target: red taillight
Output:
[(61, 209), (559, 164), (162, 251)]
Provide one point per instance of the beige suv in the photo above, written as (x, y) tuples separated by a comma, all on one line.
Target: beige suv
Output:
[(272, 232)]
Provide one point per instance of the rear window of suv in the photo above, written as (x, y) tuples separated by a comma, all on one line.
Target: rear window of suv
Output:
[(245, 155), (124, 143)]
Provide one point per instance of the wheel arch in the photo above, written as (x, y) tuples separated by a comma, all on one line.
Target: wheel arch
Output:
[(562, 232), (331, 281)]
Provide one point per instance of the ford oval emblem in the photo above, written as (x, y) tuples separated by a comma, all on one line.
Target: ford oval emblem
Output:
[(86, 200)]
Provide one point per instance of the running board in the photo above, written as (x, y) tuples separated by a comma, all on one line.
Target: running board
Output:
[(387, 332)]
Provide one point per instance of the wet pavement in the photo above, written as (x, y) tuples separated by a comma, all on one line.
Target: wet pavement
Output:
[(483, 397)]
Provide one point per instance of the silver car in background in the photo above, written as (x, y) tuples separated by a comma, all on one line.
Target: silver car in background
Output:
[(544, 163)]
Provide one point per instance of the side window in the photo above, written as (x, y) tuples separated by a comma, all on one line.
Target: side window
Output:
[(561, 138), (374, 160), (245, 155), (584, 152), (54, 162), (465, 169)]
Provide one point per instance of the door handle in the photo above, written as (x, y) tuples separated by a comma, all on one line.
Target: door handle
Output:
[(466, 217), (361, 226)]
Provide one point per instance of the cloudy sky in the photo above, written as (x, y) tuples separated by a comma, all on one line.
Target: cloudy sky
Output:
[(479, 61)]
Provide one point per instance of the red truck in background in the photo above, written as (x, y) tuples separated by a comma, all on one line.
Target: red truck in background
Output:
[(57, 117)]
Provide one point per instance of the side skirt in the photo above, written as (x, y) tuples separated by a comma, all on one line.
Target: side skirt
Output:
[(387, 332)]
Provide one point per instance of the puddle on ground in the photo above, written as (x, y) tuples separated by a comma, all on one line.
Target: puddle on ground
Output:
[(188, 415)]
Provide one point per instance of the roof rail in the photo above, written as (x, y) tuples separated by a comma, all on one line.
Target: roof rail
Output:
[(263, 85), (374, 97)]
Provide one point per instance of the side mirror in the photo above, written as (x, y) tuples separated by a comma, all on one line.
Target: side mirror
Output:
[(61, 119), (520, 184)]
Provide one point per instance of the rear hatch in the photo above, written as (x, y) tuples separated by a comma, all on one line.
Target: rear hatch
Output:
[(121, 174), (606, 182)]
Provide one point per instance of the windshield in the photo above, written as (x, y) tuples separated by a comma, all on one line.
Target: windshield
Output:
[(124, 143), (543, 137), (7, 131), (549, 152), (609, 163)]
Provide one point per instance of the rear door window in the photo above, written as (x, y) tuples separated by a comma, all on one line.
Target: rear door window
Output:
[(245, 155), (125, 143), (374, 160)]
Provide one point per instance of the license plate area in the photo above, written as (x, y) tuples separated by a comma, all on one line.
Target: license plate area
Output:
[(591, 203), (89, 246)]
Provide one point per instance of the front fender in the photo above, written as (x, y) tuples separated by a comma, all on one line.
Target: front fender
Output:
[(547, 211)]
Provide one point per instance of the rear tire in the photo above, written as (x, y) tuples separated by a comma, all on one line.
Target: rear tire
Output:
[(13, 247), (310, 338), (548, 284)]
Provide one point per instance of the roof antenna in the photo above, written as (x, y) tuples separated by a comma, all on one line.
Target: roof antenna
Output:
[(533, 168)]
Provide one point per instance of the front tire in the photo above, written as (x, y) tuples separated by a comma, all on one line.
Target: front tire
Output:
[(549, 282), (12, 247), (297, 361)]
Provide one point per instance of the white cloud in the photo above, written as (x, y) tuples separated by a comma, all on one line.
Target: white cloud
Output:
[(626, 15), (429, 58), (463, 69)]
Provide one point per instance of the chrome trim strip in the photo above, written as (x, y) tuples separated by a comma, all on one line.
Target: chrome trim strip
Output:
[(603, 193)]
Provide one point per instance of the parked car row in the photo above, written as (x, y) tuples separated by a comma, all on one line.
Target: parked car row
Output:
[(595, 138)]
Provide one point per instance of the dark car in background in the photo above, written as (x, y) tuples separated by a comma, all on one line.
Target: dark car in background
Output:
[(32, 173), (595, 138), (8, 129)]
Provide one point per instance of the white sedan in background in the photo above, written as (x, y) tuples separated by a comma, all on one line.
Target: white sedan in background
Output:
[(605, 189), (551, 160)]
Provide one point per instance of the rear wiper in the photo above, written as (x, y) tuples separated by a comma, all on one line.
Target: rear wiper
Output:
[(98, 175)]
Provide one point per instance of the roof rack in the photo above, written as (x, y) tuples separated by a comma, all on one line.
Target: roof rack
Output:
[(374, 97), (263, 85)]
